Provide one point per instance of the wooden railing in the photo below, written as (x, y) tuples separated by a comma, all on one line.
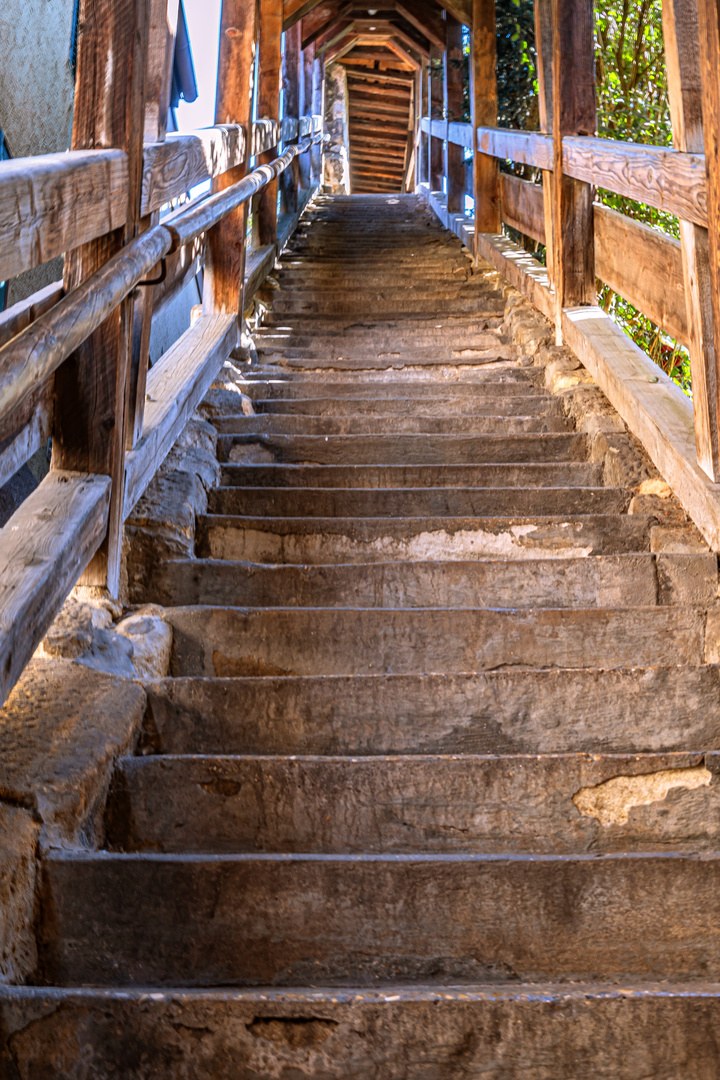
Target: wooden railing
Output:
[(74, 357), (676, 283)]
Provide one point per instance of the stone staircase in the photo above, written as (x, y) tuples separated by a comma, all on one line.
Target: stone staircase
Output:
[(431, 789)]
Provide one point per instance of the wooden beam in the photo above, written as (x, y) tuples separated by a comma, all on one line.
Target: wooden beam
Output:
[(45, 546), (322, 19), (318, 105), (358, 85), (394, 45), (55, 202), (91, 388), (435, 168), (544, 52), (268, 98), (483, 105), (223, 284), (691, 55), (573, 76), (291, 107), (172, 167), (424, 17), (453, 89), (294, 10), (381, 77)]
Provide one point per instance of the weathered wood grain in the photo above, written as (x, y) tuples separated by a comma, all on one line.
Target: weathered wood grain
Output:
[(664, 178), (269, 84), (522, 206), (436, 165), (26, 430), (172, 167), (44, 548), (523, 147), (16, 318), (483, 108), (176, 384), (54, 202)]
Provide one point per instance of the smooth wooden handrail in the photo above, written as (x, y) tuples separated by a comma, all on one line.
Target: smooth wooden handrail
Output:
[(187, 224)]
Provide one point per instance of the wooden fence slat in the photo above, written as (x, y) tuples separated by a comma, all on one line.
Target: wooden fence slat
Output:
[(522, 147), (225, 253), (172, 167), (483, 107), (54, 202), (44, 547), (90, 389)]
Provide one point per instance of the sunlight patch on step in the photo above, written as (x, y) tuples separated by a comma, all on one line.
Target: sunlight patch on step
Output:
[(612, 801)]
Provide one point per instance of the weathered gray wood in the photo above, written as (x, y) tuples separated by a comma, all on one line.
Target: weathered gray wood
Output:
[(20, 315), (54, 202), (44, 548), (175, 386), (522, 206), (26, 430), (172, 167)]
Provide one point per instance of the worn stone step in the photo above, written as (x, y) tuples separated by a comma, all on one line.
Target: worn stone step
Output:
[(403, 449), (415, 502), (363, 641), (529, 474), (598, 581), (399, 322), (334, 540), (515, 804), (239, 424), (634, 710), (504, 1031), (392, 360), (360, 302), (446, 406), (495, 382), (193, 920)]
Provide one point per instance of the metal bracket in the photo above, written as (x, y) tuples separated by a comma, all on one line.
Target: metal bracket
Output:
[(156, 280)]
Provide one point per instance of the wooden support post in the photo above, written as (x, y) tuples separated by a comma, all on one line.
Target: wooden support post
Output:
[(91, 387), (158, 79), (268, 99), (423, 110), (574, 113), (691, 45), (483, 101), (453, 86), (306, 86), (291, 108), (224, 283), (436, 163), (544, 49), (318, 108)]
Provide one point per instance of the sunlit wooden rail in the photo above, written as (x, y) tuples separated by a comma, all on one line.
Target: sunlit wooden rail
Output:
[(74, 357)]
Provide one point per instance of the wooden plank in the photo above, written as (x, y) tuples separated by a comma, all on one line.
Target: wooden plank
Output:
[(703, 250), (294, 10), (574, 113), (385, 90), (55, 336), (522, 206), (181, 266), (26, 430), (54, 202), (522, 147), (664, 178), (176, 385), (453, 88), (225, 257), (483, 106), (645, 266), (423, 16), (44, 548), (269, 83), (306, 109), (172, 167), (265, 135), (380, 77), (291, 107), (90, 420), (436, 165), (16, 318), (323, 19)]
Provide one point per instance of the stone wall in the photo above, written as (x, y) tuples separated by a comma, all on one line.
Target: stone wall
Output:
[(337, 150)]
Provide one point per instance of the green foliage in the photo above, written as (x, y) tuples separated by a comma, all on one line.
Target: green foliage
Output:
[(516, 65)]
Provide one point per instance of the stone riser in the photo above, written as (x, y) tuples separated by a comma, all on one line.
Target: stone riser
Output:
[(450, 409), (599, 581), (347, 641), (163, 920), (511, 1032), (371, 425), (530, 474), (498, 712), (466, 805), (319, 541), (416, 502)]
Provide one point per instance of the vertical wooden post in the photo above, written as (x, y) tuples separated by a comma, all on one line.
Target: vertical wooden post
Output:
[(318, 108), (306, 85), (158, 79), (224, 283), (544, 51), (483, 100), (435, 112), (91, 387), (268, 99), (423, 110), (691, 47), (574, 113), (453, 85), (291, 103)]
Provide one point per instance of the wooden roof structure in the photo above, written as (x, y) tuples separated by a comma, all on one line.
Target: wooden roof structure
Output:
[(382, 48)]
